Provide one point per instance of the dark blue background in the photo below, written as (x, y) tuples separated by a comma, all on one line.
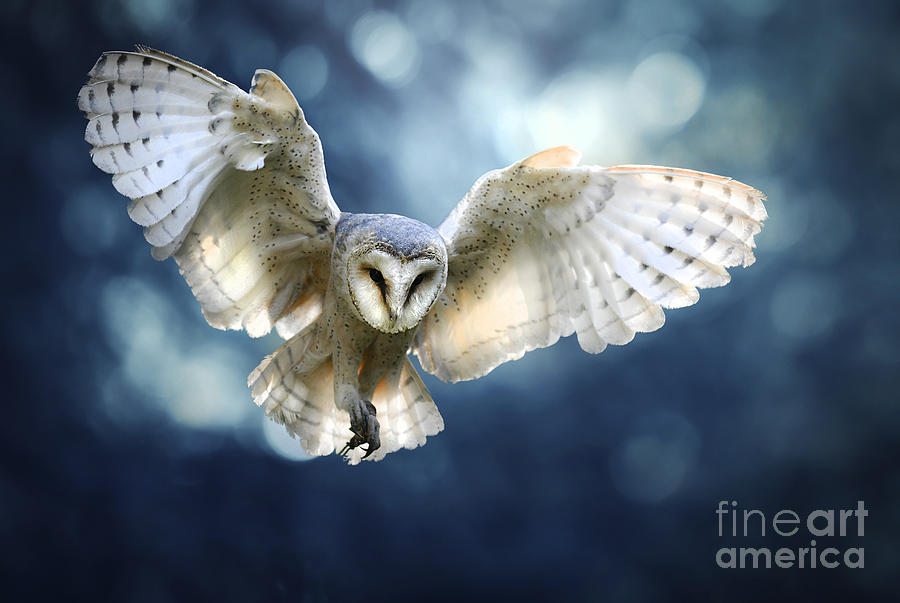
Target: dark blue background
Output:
[(134, 467)]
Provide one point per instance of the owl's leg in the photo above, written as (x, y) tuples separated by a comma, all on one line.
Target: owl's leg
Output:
[(364, 426), (382, 356), (363, 422)]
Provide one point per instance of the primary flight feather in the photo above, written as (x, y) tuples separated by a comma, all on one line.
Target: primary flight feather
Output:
[(232, 185)]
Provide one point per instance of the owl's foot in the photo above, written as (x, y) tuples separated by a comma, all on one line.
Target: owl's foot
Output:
[(364, 426)]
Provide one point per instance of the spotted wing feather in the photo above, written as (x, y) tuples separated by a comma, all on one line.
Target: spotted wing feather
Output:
[(232, 184), (546, 248)]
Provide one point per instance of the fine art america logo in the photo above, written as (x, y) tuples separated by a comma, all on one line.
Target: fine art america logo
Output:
[(827, 524)]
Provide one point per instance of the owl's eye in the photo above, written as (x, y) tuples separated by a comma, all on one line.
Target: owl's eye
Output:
[(412, 286), (376, 276)]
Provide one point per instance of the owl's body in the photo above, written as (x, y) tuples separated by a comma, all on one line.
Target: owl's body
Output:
[(330, 369), (232, 185)]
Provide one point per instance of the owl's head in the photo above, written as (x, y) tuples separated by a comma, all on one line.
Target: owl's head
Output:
[(396, 268)]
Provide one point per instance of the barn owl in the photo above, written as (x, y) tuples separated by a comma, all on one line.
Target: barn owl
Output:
[(232, 185)]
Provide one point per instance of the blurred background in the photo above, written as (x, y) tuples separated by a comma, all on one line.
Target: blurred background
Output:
[(134, 466)]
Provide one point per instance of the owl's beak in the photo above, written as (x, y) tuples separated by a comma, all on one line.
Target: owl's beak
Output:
[(394, 305)]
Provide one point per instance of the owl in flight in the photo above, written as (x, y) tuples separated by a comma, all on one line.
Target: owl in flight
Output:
[(232, 185)]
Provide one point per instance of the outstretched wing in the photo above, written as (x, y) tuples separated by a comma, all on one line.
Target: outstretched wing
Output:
[(545, 248), (232, 184)]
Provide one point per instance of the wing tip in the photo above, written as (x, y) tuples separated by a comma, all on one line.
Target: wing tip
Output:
[(268, 86), (755, 210), (561, 156)]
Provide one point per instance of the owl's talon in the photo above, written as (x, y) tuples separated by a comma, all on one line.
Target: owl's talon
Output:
[(355, 441), (365, 428)]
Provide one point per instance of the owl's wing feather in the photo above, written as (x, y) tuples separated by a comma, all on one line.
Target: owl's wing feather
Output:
[(232, 184), (545, 248)]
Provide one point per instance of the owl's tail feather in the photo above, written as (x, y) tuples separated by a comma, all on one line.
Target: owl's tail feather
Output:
[(296, 389), (406, 413)]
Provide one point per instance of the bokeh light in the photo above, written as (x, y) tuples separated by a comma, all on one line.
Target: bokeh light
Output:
[(805, 305), (432, 20), (305, 71), (198, 386), (665, 90), (652, 462), (281, 442), (90, 224), (384, 45)]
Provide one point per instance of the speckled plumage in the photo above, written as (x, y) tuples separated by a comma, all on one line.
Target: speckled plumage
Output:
[(232, 185)]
